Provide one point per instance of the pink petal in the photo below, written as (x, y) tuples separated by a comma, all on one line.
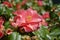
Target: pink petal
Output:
[(27, 29), (35, 16), (32, 27), (19, 12), (7, 3)]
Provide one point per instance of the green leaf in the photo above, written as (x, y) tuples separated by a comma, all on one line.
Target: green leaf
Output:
[(55, 32), (1, 9), (7, 24), (18, 37), (16, 1), (21, 0), (14, 36), (7, 12), (42, 33), (29, 4), (53, 15)]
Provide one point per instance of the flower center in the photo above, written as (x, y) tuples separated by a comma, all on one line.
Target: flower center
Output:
[(28, 19)]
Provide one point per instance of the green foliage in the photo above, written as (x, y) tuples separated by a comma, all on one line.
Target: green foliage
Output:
[(14, 36), (43, 33), (52, 32)]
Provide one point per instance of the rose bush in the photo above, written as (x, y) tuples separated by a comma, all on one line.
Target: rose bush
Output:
[(29, 20)]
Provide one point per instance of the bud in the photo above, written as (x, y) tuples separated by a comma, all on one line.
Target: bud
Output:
[(40, 3), (35, 38), (18, 6), (46, 15), (7, 4), (9, 31), (26, 37)]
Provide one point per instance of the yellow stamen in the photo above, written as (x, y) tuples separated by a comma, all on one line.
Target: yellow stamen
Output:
[(29, 18)]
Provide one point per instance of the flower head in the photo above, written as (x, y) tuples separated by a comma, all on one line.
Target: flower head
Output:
[(18, 6), (6, 3), (28, 19), (9, 31), (40, 2), (46, 15)]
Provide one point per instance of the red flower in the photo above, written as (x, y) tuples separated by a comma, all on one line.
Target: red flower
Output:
[(9, 31), (1, 34), (46, 15), (27, 19), (40, 3), (7, 4)]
